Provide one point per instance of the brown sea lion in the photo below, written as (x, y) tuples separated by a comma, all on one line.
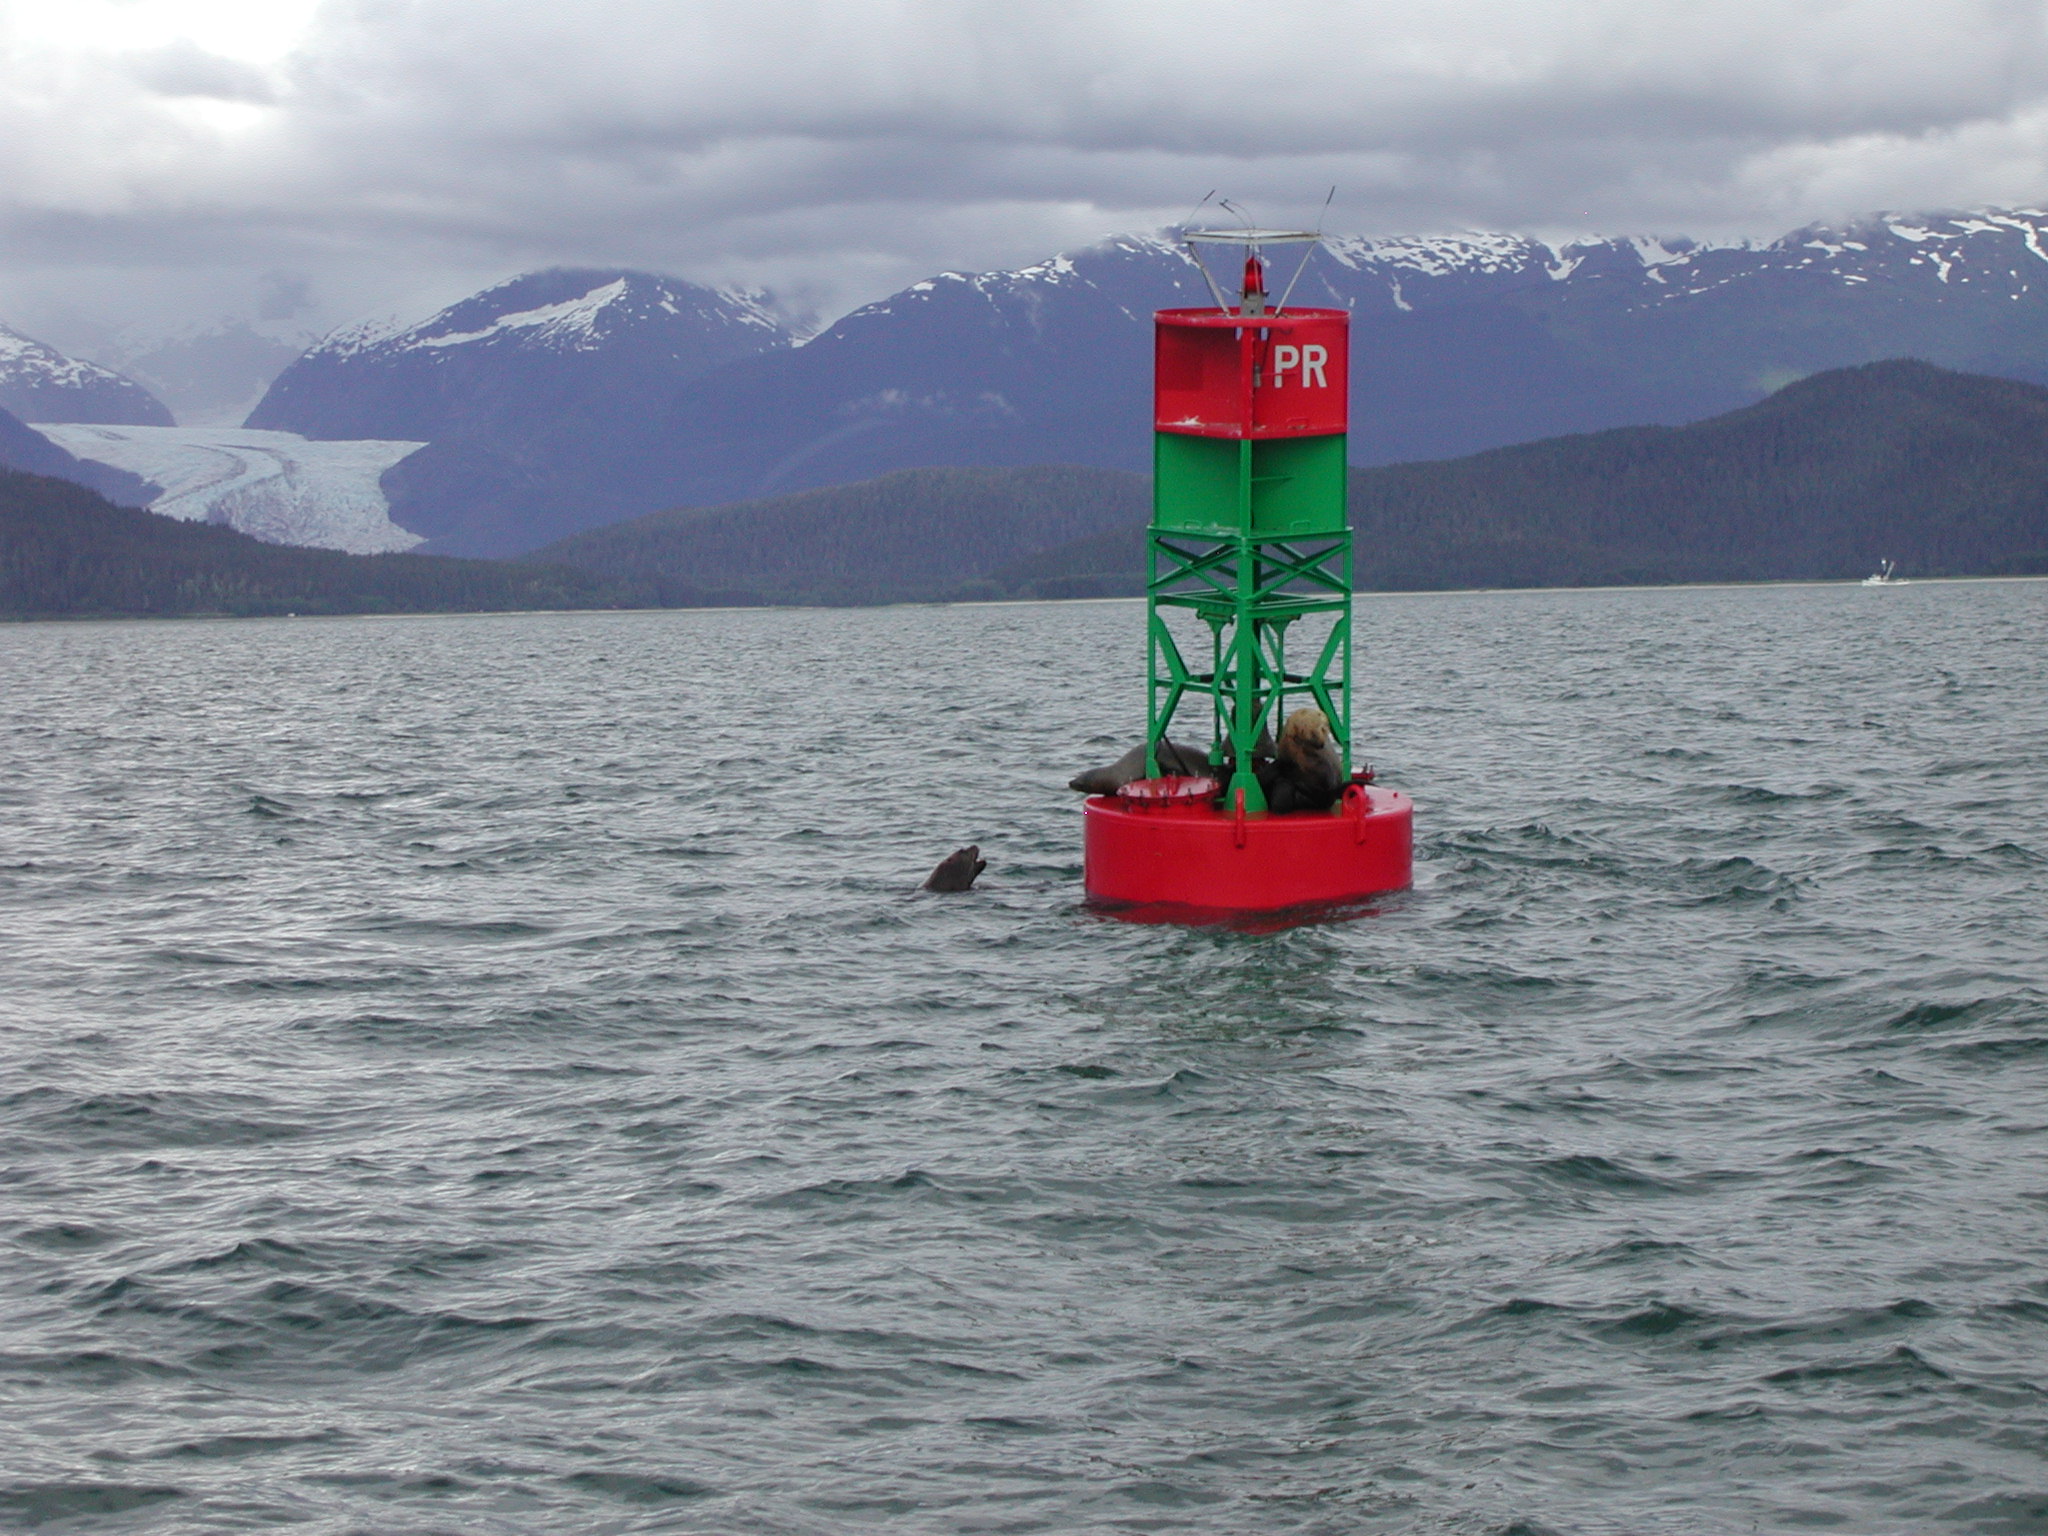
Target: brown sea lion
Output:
[(957, 870), (1128, 769), (1306, 773)]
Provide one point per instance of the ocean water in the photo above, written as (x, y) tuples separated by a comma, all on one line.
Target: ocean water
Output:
[(498, 1074)]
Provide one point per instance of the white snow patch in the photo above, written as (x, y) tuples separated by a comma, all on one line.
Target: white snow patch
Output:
[(1146, 245), (2030, 231), (361, 336), (754, 307), (277, 486), (1653, 252), (23, 358), (1481, 251), (571, 323), (1052, 271), (573, 319), (1058, 269)]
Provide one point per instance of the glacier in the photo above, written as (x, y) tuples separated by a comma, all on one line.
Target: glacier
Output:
[(275, 486)]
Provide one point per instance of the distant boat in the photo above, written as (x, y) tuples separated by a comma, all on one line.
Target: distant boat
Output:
[(1884, 577)]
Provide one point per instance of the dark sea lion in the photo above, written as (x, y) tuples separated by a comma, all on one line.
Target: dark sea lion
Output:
[(1128, 769), (1306, 773), (957, 870)]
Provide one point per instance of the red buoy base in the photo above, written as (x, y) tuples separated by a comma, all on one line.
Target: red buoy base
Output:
[(1187, 853)]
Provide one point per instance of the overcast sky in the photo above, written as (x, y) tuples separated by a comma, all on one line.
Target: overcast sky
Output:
[(181, 159)]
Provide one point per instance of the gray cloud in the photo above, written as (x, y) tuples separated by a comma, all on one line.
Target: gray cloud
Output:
[(183, 68), (404, 152)]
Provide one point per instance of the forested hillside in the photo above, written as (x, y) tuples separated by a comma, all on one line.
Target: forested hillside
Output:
[(1945, 473), (917, 534), (66, 552)]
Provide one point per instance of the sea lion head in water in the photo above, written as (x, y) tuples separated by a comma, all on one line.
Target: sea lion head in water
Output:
[(957, 870), (1306, 774)]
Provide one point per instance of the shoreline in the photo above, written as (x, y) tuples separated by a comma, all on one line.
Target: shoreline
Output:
[(1360, 594)]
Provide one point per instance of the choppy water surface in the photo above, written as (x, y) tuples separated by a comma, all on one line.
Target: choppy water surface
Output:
[(497, 1075)]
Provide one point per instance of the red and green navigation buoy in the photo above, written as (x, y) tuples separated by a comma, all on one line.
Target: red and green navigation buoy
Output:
[(1248, 606)]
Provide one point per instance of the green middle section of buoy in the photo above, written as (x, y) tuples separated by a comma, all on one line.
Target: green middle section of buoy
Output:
[(1251, 536)]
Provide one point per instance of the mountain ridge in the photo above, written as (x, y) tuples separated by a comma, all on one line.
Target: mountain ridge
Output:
[(39, 383), (483, 357)]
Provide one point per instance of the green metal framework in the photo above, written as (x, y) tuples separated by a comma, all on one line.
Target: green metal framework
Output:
[(1250, 537)]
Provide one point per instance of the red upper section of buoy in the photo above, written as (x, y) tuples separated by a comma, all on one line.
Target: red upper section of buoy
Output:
[(1220, 373)]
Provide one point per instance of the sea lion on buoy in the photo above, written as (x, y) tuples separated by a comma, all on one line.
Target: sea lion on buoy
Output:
[(1306, 773), (1128, 769), (957, 870)]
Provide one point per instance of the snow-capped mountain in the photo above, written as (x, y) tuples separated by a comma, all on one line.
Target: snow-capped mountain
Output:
[(960, 369), (275, 486), (562, 401), (1991, 251), (39, 383), (561, 341), (1461, 342)]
